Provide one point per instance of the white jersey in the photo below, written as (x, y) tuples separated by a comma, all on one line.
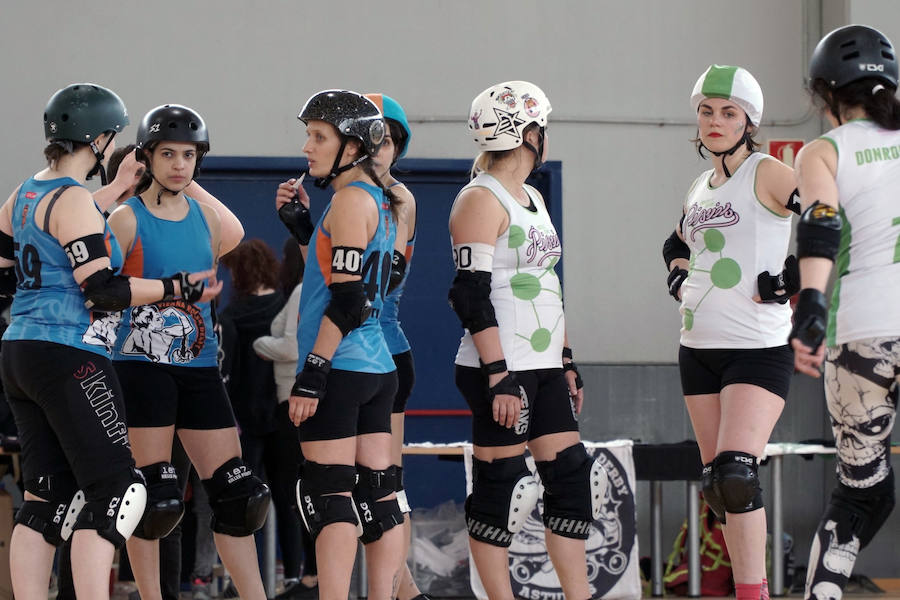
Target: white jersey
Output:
[(733, 238), (866, 298), (525, 290)]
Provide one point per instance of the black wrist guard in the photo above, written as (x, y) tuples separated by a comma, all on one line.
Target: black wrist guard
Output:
[(168, 290), (398, 270), (298, 221), (311, 381), (810, 318), (190, 292), (675, 279), (493, 368), (508, 385), (571, 366), (567, 353), (787, 282)]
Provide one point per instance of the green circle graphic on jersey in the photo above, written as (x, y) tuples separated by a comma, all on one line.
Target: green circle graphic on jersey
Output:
[(540, 339), (516, 236), (525, 286), (724, 274)]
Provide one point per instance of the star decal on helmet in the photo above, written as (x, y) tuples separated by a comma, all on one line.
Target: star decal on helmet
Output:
[(508, 123)]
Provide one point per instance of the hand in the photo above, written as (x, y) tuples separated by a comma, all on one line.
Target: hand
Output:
[(209, 286), (576, 387), (779, 288), (301, 408), (808, 332), (507, 398), (676, 277), (287, 191), (805, 360), (130, 171)]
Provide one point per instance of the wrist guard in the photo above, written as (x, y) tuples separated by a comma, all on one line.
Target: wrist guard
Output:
[(571, 366), (508, 385), (810, 318), (788, 282), (674, 280), (190, 292), (311, 381), (297, 220), (493, 368)]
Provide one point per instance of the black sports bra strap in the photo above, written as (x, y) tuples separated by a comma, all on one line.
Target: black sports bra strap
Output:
[(53, 200)]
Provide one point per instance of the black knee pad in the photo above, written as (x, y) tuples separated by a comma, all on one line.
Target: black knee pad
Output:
[(574, 488), (376, 515), (238, 498), (318, 496), (711, 493), (114, 506), (54, 518), (736, 481), (504, 493), (165, 506), (861, 511)]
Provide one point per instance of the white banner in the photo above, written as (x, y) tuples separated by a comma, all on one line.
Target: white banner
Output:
[(612, 547)]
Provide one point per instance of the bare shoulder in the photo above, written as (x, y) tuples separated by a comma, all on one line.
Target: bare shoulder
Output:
[(352, 198), (821, 148)]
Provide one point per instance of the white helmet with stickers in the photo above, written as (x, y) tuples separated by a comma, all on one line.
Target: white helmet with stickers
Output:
[(501, 113), (732, 83)]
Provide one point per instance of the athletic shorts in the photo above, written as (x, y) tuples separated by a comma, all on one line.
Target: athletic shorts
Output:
[(354, 404), (69, 411), (549, 410), (164, 395), (406, 379), (708, 371)]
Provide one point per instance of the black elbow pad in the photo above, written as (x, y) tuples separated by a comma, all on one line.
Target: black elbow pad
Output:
[(349, 307), (7, 247), (398, 271), (104, 291), (674, 247), (470, 298), (819, 232)]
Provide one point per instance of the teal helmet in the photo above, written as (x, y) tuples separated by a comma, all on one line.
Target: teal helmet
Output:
[(392, 110), (82, 111)]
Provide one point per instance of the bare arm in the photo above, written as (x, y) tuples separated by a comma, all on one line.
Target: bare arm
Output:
[(815, 178), (774, 185), (127, 177), (6, 225), (232, 232)]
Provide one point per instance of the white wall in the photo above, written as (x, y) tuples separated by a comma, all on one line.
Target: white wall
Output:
[(249, 66)]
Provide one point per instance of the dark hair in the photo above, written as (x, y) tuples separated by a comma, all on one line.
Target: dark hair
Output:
[(253, 265), (291, 271), (56, 149), (881, 106), (398, 135), (115, 159), (749, 131)]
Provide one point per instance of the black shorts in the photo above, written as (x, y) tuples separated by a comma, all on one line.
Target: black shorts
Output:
[(708, 371), (406, 379), (354, 404), (164, 395), (550, 409), (68, 407)]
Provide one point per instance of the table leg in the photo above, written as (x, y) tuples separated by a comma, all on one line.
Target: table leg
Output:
[(268, 574), (656, 560), (776, 462), (693, 541)]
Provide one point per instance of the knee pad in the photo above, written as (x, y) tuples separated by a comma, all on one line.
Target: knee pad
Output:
[(861, 511), (54, 518), (711, 493), (504, 493), (574, 489), (114, 506), (736, 481), (164, 504), (238, 498), (318, 496), (376, 515)]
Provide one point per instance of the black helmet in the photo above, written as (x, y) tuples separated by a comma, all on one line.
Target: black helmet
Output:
[(82, 111), (173, 123), (352, 114), (853, 52)]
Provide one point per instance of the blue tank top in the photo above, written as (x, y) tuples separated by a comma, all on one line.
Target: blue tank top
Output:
[(49, 304), (172, 332), (390, 314), (364, 349)]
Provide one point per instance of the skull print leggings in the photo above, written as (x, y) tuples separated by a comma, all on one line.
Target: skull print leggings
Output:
[(861, 381)]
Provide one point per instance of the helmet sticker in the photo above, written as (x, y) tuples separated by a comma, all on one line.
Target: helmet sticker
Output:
[(507, 98), (531, 106), (508, 123), (53, 127), (154, 128), (475, 117)]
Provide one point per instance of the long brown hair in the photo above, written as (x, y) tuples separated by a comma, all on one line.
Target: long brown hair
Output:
[(253, 266)]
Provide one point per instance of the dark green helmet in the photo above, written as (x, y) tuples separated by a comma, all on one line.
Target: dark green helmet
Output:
[(82, 111)]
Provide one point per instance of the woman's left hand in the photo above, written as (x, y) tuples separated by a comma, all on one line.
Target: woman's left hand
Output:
[(805, 360), (576, 394), (301, 408)]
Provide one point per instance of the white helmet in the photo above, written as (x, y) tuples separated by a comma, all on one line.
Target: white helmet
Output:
[(733, 83), (501, 113)]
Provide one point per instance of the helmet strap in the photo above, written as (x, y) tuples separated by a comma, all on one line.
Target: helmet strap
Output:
[(539, 151), (336, 168), (725, 154), (98, 155)]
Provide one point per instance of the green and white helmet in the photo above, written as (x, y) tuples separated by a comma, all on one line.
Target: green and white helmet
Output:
[(732, 83)]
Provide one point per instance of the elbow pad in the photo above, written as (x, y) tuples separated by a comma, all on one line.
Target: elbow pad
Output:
[(349, 307), (104, 291), (470, 299), (7, 247), (674, 247), (398, 271), (819, 232)]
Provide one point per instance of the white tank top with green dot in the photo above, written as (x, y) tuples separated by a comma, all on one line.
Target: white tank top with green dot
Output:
[(525, 291), (733, 238)]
